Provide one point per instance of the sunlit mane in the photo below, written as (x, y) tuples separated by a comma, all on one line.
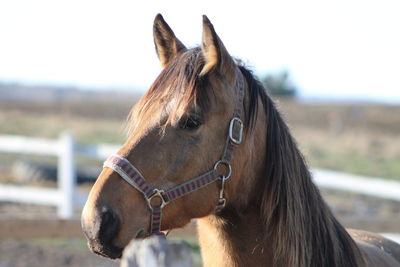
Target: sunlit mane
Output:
[(178, 86)]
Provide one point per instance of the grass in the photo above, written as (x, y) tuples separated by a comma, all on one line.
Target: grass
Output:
[(86, 130), (363, 153), (356, 138), (80, 243)]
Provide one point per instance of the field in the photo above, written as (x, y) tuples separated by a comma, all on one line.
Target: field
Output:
[(357, 138)]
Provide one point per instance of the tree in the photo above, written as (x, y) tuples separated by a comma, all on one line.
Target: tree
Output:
[(279, 84)]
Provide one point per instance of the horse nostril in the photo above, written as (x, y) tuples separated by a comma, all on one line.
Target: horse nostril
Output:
[(109, 225)]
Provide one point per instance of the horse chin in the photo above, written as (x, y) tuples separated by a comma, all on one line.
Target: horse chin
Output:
[(111, 252), (115, 252)]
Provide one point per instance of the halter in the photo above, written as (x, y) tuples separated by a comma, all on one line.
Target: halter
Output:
[(221, 171)]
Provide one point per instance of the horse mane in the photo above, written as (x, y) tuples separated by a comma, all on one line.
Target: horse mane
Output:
[(180, 81), (303, 229)]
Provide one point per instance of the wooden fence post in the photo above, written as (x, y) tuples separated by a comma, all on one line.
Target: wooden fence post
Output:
[(66, 176), (157, 252)]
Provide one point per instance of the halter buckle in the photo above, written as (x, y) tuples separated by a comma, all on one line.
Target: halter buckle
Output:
[(236, 127), (157, 193)]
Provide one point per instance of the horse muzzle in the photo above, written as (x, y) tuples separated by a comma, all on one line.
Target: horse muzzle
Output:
[(100, 231)]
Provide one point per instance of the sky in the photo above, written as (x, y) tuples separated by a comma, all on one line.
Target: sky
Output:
[(340, 49)]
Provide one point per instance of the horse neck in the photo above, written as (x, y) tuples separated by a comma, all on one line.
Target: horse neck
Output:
[(235, 237), (287, 223)]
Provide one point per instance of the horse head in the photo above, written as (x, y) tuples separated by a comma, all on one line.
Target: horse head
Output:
[(187, 126)]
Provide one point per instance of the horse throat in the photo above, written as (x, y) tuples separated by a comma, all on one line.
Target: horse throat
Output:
[(234, 239)]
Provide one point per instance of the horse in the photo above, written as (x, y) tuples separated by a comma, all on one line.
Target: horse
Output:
[(206, 142)]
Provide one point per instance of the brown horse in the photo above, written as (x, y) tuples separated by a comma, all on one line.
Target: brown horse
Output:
[(189, 124)]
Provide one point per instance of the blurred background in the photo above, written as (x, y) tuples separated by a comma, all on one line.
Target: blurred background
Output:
[(71, 70)]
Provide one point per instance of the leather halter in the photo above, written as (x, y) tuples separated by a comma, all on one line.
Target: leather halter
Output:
[(221, 170)]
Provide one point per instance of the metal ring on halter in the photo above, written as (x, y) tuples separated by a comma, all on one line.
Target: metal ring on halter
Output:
[(227, 165), (157, 193)]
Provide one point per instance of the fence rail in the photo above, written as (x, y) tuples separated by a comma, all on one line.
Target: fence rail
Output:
[(65, 196), (372, 186)]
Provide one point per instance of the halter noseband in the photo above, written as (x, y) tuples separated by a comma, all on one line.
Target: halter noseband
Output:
[(131, 175)]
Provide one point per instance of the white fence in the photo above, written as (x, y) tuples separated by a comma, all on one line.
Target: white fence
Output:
[(65, 197), (372, 186)]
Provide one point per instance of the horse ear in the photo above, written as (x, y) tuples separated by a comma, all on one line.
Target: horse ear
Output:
[(215, 54), (167, 45)]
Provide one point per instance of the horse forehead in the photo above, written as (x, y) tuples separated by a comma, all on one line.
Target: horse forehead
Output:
[(223, 92)]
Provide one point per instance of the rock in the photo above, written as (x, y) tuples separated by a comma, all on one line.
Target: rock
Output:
[(157, 252)]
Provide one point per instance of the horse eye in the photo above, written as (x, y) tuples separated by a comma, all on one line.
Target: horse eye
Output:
[(189, 123)]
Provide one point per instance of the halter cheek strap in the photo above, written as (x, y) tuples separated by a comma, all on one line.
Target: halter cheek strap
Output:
[(158, 198)]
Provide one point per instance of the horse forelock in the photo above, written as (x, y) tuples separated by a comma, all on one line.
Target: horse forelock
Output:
[(178, 87)]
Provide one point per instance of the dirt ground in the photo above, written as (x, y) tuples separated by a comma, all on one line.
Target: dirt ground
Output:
[(49, 253)]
